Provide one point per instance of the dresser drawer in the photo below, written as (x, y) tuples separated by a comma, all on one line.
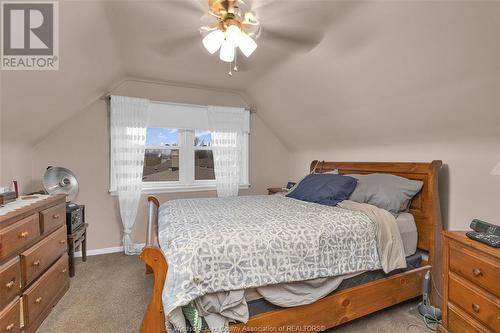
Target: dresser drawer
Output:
[(18, 235), (483, 307), (481, 270), (52, 218), (460, 322), (42, 293), (10, 318), (10, 282), (37, 258)]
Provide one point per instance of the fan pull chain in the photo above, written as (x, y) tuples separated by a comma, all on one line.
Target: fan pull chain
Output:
[(230, 74), (235, 58)]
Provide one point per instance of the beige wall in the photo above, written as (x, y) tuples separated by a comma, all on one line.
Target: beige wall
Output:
[(82, 145), (16, 162)]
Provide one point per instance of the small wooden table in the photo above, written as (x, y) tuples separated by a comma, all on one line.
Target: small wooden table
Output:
[(274, 190), (77, 238)]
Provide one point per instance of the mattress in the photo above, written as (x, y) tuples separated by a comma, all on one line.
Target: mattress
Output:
[(414, 261), (261, 305)]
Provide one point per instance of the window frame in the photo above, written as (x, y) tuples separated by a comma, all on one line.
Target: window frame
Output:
[(187, 181), (186, 118)]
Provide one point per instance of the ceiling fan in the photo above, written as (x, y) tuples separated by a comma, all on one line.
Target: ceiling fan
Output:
[(264, 32), (236, 27)]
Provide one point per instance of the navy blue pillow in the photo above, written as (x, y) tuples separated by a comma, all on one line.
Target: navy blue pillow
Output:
[(325, 189)]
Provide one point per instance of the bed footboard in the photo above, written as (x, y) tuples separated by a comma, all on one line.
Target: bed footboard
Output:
[(152, 255)]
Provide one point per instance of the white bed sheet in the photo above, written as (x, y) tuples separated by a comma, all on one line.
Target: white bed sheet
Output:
[(408, 231)]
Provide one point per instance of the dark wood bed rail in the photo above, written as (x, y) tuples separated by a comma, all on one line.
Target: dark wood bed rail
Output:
[(348, 304), (152, 228), (156, 263)]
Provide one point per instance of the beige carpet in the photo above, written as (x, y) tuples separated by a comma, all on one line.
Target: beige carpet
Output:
[(110, 294)]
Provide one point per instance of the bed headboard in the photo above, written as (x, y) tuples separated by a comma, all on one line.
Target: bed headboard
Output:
[(425, 205)]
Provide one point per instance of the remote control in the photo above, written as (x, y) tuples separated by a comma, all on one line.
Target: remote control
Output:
[(490, 240), (485, 227)]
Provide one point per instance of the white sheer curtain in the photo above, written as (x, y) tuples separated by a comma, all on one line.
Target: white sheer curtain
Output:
[(227, 126), (226, 148), (128, 140)]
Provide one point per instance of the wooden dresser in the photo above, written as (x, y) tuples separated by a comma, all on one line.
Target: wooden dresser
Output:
[(33, 263), (471, 285)]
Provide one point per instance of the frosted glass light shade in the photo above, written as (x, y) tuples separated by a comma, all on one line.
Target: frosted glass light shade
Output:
[(213, 41), (247, 44), (226, 52), (496, 170), (233, 34)]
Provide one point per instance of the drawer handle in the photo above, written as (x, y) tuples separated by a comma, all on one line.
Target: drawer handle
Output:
[(55, 216), (476, 307), (23, 234), (10, 284), (9, 327), (38, 300), (36, 263), (64, 270), (62, 242), (477, 272)]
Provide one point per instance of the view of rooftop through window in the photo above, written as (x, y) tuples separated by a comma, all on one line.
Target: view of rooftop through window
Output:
[(162, 154), (162, 163), (203, 157)]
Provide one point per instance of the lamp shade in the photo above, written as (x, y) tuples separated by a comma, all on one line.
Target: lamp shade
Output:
[(233, 34), (496, 170), (226, 52), (247, 44), (213, 41)]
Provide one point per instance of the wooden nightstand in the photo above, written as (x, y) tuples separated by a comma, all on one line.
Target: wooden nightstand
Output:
[(471, 299), (76, 239), (274, 190)]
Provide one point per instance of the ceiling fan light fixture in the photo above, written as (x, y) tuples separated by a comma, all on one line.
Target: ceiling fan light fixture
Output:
[(247, 44), (233, 35), (226, 52), (213, 41), (236, 26)]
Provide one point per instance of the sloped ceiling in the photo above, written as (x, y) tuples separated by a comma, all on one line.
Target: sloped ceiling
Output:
[(365, 71), (391, 71)]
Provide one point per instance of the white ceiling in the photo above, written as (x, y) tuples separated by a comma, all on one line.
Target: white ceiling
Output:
[(357, 71)]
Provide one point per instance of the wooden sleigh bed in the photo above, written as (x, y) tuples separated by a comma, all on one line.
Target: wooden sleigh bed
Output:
[(345, 305)]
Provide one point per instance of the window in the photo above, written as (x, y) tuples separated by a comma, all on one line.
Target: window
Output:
[(178, 154), (203, 157), (161, 158), (180, 160)]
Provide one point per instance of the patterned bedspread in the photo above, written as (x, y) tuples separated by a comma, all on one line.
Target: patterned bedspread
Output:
[(222, 244)]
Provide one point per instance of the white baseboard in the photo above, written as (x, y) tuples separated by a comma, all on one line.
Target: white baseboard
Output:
[(105, 250)]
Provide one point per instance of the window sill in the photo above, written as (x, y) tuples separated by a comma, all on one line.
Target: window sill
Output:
[(178, 189)]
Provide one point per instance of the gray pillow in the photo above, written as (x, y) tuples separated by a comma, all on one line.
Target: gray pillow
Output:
[(389, 192)]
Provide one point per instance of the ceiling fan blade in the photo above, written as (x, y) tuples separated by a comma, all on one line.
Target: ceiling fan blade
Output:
[(190, 6), (208, 20), (178, 44), (243, 63), (274, 10), (291, 38)]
